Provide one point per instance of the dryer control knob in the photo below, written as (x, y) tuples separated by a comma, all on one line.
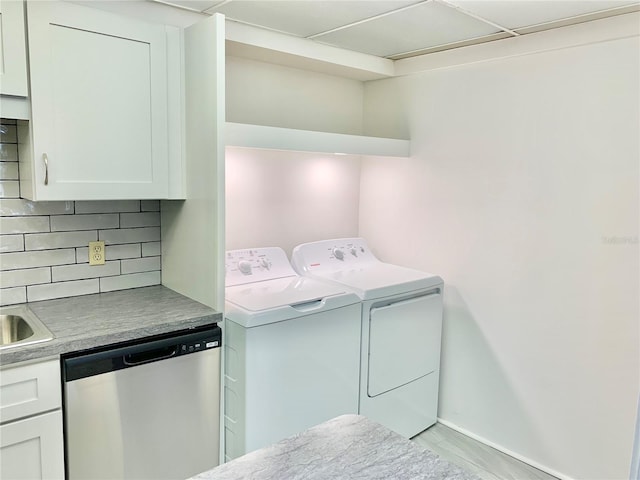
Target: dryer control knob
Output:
[(245, 267), (339, 254)]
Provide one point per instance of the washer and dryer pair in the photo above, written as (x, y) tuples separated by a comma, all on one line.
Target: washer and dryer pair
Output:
[(347, 333)]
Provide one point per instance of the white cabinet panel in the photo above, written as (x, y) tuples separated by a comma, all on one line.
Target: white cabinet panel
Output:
[(32, 448), (193, 231), (99, 106), (13, 55), (30, 389)]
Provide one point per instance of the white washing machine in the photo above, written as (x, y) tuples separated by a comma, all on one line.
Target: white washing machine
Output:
[(292, 350), (401, 330)]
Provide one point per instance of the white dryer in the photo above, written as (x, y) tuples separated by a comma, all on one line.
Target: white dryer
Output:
[(292, 350), (401, 330)]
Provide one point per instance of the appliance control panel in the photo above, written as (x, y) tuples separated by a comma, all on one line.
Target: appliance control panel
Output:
[(196, 346), (255, 265), (331, 254)]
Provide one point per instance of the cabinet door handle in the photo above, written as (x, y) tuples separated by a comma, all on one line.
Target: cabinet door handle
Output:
[(45, 159)]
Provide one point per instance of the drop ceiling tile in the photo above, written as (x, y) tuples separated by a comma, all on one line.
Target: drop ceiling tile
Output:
[(306, 18), (197, 5), (521, 13), (423, 26)]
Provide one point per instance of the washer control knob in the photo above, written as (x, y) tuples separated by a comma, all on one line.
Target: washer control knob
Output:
[(354, 252), (245, 267), (264, 263), (339, 254)]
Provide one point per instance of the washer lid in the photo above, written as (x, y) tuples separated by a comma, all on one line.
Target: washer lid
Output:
[(377, 279), (290, 298), (280, 292)]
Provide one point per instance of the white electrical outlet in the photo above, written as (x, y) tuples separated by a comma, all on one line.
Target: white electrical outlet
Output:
[(96, 253)]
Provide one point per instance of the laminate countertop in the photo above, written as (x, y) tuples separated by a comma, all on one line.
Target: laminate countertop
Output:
[(89, 321), (346, 447)]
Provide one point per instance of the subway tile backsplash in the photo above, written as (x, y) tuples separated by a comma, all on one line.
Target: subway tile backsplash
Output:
[(20, 208), (44, 250), (24, 277), (130, 235), (62, 289), (14, 295), (47, 241), (151, 249), (23, 225), (64, 273), (11, 243), (108, 207), (133, 280), (67, 223), (43, 258)]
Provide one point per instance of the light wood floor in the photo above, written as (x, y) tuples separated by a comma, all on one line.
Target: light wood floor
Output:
[(475, 457)]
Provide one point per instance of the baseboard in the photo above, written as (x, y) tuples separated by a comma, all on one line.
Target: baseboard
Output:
[(506, 451)]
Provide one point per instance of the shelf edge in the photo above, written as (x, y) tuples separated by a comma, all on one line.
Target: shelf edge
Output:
[(278, 138)]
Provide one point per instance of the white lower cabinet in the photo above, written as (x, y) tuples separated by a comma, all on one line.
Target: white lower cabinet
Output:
[(32, 448), (31, 439)]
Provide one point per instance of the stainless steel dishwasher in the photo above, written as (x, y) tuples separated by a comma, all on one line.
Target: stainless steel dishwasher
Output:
[(144, 410)]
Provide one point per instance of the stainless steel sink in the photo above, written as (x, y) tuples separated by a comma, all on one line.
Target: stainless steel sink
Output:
[(20, 327)]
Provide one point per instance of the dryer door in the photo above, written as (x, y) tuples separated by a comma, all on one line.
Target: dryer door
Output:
[(404, 342)]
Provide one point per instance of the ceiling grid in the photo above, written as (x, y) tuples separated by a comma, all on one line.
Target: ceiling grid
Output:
[(396, 29)]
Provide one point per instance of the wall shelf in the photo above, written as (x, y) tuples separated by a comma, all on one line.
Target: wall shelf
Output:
[(278, 138), (274, 47)]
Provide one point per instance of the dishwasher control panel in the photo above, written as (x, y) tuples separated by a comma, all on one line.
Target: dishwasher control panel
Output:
[(195, 346)]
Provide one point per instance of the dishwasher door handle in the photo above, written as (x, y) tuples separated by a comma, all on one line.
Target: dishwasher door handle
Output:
[(112, 358), (133, 359)]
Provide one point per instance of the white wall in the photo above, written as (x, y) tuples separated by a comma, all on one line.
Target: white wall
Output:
[(522, 192), (278, 96), (276, 198), (282, 199)]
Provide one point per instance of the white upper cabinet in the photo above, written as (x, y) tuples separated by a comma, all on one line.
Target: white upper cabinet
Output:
[(13, 55), (99, 100)]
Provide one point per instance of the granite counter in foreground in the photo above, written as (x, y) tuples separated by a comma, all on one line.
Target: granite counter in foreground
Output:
[(346, 447)]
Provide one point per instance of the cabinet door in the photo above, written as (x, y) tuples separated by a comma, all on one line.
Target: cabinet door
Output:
[(99, 104), (32, 448), (13, 55), (29, 389)]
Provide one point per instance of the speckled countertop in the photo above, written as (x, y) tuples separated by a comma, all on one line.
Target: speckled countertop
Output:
[(89, 321), (347, 447)]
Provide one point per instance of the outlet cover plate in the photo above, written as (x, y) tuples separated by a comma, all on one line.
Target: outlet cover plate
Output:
[(96, 253)]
